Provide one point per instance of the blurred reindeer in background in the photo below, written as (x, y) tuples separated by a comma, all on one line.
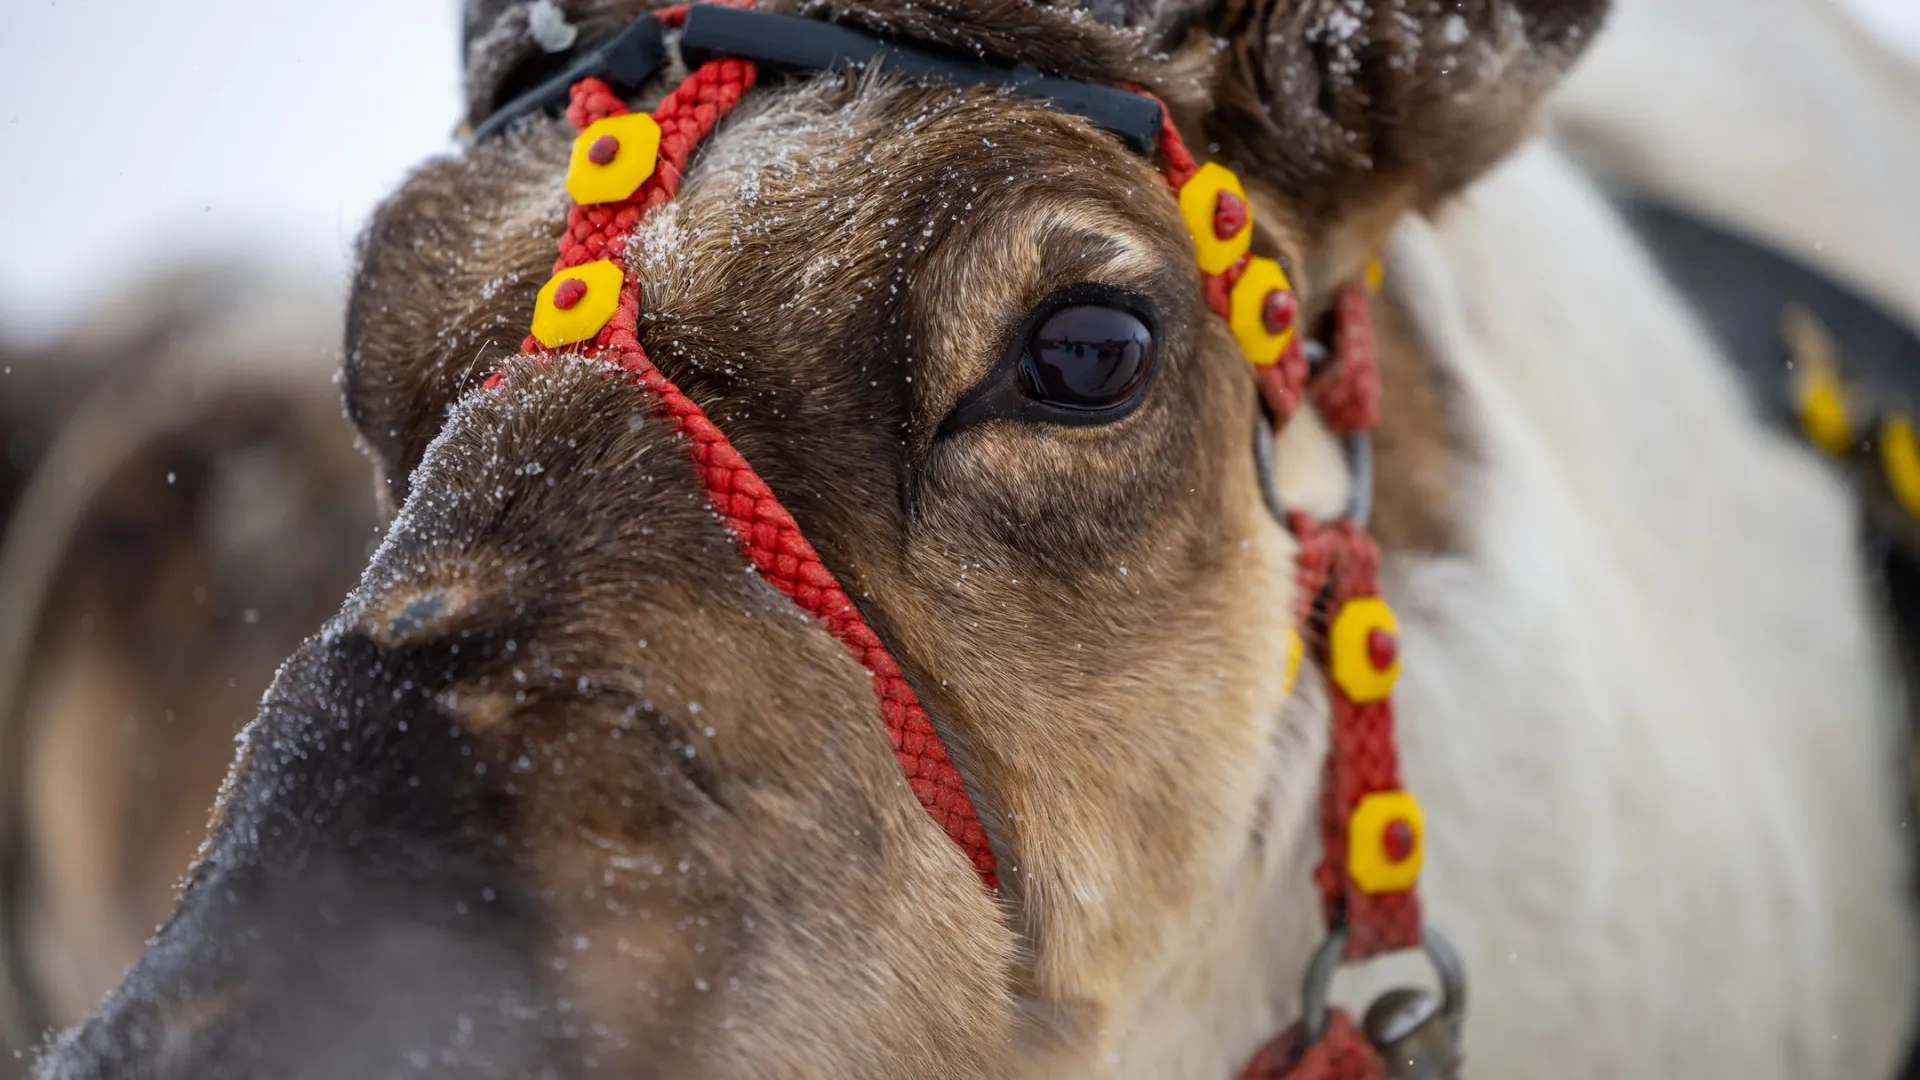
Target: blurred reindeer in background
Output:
[(181, 504)]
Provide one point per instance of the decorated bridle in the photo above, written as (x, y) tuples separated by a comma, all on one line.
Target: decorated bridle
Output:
[(625, 165)]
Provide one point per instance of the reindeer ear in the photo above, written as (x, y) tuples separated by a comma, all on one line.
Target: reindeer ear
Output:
[(1346, 106)]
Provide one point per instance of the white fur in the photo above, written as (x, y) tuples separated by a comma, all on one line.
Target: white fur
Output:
[(1781, 116), (1647, 708), (1648, 705)]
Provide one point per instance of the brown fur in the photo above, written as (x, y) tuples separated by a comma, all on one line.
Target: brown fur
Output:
[(560, 720)]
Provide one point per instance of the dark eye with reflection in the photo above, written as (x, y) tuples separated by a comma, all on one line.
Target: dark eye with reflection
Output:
[(1088, 356), (1085, 355)]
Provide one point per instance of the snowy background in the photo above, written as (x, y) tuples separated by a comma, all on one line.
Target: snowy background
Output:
[(135, 133)]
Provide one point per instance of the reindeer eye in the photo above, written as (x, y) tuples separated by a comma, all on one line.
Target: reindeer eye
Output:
[(1085, 355), (1088, 356)]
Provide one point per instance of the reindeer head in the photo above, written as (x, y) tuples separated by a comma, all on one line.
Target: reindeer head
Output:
[(566, 789)]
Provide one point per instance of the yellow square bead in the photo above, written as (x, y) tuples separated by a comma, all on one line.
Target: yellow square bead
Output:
[(612, 158), (1386, 842), (1247, 310), (1363, 634), (566, 313), (1900, 457), (1200, 205)]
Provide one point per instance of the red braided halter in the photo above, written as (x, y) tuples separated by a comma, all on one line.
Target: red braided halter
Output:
[(1337, 574), (762, 528), (1371, 831)]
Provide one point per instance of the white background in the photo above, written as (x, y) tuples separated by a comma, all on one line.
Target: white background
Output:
[(137, 132)]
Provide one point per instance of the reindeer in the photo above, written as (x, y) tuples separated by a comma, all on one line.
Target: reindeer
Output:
[(570, 788)]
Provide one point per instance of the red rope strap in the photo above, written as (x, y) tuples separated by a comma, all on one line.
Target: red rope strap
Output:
[(1338, 566), (1176, 160), (1348, 394), (1343, 1053), (762, 528), (1370, 830), (1340, 563), (1282, 385)]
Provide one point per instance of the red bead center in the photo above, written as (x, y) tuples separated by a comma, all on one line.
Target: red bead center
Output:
[(603, 150), (1229, 215), (568, 293), (1397, 839), (1279, 310), (1383, 648)]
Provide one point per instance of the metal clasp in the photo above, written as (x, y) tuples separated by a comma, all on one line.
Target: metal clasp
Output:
[(1417, 1034)]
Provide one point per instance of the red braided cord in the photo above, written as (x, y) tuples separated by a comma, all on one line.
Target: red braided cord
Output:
[(1342, 562), (1283, 384), (1348, 394), (771, 539), (763, 529), (1337, 563), (1218, 288), (1180, 165), (1343, 1053), (686, 116), (1337, 558)]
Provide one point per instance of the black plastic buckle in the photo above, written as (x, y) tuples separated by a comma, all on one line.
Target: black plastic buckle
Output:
[(623, 60), (808, 44)]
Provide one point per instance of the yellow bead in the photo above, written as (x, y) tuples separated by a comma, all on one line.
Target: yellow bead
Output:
[(1296, 651), (1386, 842), (577, 314), (1900, 457), (1823, 411), (1363, 634), (1201, 206), (612, 158), (1376, 274), (1818, 396), (1248, 311)]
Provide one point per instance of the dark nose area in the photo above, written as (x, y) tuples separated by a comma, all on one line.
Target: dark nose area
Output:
[(324, 977), (353, 916)]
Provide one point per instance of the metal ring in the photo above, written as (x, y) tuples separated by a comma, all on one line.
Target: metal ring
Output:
[(1360, 467), (1315, 996), (1314, 1005), (1263, 463)]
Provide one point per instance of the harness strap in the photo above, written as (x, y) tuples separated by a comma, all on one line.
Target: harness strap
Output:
[(626, 165), (1371, 831), (762, 528), (1343, 1053)]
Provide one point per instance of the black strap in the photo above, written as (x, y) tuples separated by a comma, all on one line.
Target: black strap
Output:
[(1741, 288), (810, 45), (623, 60), (630, 57)]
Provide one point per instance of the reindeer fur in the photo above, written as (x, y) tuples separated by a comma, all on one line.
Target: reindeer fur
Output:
[(563, 787)]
